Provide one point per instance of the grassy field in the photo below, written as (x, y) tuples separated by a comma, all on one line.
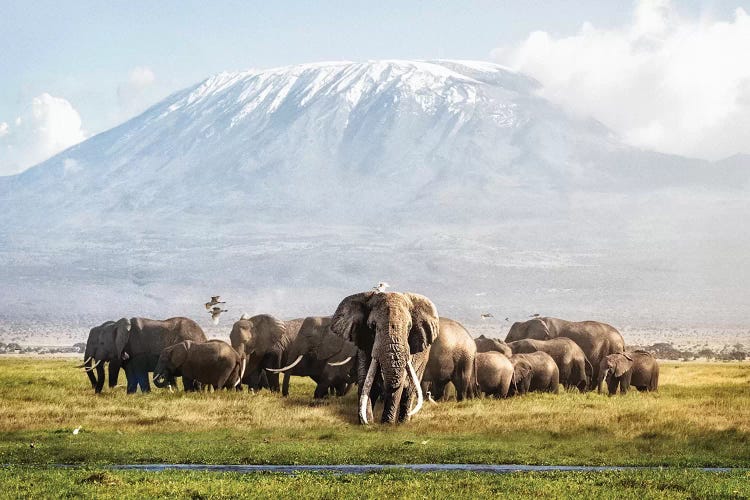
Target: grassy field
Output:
[(700, 417), (396, 484)]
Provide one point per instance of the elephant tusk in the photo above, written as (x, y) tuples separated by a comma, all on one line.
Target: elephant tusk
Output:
[(84, 362), (93, 366), (242, 371), (339, 363), (414, 379), (286, 368), (366, 387)]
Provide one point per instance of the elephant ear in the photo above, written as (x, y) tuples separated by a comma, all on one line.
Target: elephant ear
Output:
[(621, 365), (267, 332), (122, 335), (328, 345), (522, 371), (540, 325), (425, 323), (178, 353), (350, 320)]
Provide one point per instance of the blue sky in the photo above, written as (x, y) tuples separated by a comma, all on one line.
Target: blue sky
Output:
[(99, 63)]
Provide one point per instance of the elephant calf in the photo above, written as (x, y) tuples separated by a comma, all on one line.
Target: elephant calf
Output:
[(214, 363), (494, 373), (451, 359), (575, 369), (536, 371), (637, 368), (486, 344)]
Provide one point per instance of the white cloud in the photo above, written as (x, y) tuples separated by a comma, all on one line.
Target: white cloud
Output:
[(662, 81), (48, 125), (133, 95)]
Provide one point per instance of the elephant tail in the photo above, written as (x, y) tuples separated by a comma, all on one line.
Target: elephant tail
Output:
[(474, 379)]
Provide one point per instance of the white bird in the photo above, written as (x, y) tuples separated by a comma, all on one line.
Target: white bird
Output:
[(215, 313), (214, 301), (76, 430), (380, 287)]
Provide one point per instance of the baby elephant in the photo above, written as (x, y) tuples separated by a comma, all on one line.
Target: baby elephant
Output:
[(214, 363), (636, 368), (535, 371), (494, 373)]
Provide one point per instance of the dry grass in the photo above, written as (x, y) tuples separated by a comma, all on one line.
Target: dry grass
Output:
[(700, 416)]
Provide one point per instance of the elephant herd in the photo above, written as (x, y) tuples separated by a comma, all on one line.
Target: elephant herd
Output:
[(393, 346)]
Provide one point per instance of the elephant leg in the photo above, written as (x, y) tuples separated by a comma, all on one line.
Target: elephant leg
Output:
[(321, 391), (438, 390), (114, 373), (285, 386), (144, 382), (462, 381), (625, 383), (100, 378), (612, 384), (130, 376)]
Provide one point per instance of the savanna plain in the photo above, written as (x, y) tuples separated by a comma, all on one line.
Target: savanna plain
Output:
[(700, 417)]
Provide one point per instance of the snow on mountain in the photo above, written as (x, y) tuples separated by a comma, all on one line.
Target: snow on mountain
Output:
[(290, 187)]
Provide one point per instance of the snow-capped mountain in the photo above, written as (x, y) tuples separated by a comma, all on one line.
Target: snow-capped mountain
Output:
[(292, 186)]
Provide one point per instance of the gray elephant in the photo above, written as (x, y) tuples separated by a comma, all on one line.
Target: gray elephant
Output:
[(213, 363), (637, 368), (138, 342), (575, 369), (486, 344), (114, 365), (393, 332), (597, 340), (451, 360), (494, 373), (263, 339), (322, 355), (536, 371)]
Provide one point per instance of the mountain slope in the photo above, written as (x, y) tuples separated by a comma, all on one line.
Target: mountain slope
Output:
[(448, 177)]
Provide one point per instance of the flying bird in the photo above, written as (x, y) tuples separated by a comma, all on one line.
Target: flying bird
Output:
[(214, 302), (506, 319), (380, 287), (487, 315), (535, 315), (215, 312)]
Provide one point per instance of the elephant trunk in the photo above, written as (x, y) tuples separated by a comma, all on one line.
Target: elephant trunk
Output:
[(394, 368)]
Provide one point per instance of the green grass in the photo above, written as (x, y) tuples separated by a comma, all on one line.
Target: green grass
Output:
[(700, 417), (48, 483)]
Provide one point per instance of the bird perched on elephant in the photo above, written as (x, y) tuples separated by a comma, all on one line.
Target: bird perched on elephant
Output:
[(535, 371), (393, 333), (494, 373), (486, 344), (138, 342), (597, 340), (264, 340), (637, 368), (213, 363), (320, 354), (89, 365), (451, 359), (575, 369)]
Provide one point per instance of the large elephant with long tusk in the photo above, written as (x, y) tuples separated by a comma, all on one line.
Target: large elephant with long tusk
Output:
[(136, 344), (264, 340), (322, 355), (393, 333), (90, 366)]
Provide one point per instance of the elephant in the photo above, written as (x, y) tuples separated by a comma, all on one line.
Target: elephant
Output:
[(322, 355), (494, 373), (486, 344), (535, 371), (451, 359), (114, 365), (575, 369), (637, 368), (138, 342), (213, 363), (393, 333), (263, 339), (597, 340)]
